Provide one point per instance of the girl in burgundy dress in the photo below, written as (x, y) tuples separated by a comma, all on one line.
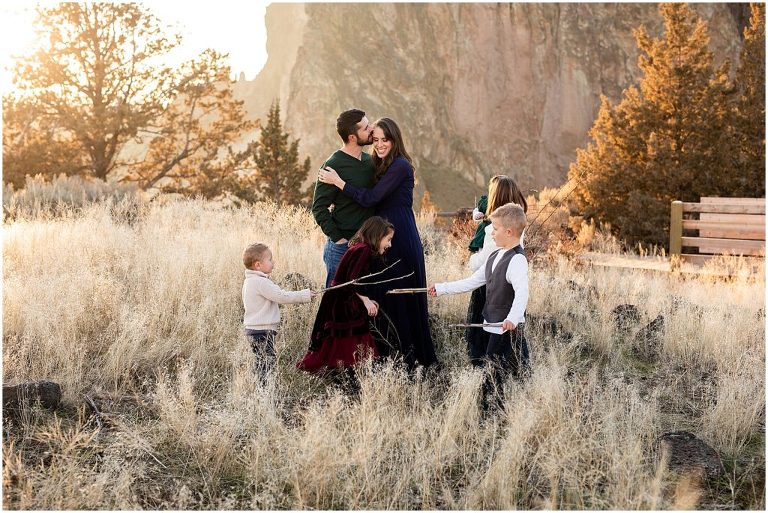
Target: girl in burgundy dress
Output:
[(341, 336)]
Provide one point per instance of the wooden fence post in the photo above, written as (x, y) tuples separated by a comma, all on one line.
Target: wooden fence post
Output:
[(676, 228)]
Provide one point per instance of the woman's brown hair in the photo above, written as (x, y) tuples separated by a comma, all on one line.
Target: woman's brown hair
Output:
[(502, 190), (391, 133), (371, 232)]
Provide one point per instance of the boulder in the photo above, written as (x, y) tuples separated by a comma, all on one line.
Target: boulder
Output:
[(625, 317), (690, 455), (647, 341), (548, 327), (18, 397), (297, 281)]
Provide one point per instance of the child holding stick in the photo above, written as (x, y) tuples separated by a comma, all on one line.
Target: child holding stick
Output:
[(341, 336), (501, 190), (261, 299), (505, 275)]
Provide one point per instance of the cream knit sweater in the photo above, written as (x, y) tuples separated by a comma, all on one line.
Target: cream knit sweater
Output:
[(261, 297)]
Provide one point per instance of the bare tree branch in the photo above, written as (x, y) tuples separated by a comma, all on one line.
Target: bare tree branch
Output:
[(356, 281)]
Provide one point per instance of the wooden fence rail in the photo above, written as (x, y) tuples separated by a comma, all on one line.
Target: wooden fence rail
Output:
[(733, 226), (467, 212)]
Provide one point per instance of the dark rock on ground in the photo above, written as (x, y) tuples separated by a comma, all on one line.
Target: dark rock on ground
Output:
[(625, 316), (647, 341), (548, 326), (297, 281), (689, 308), (18, 397), (689, 454), (588, 293)]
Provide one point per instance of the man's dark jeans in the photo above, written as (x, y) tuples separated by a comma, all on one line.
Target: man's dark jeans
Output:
[(332, 254)]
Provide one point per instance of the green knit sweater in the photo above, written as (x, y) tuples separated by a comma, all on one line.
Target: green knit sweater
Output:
[(347, 215)]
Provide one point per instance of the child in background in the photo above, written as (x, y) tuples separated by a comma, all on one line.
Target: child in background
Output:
[(506, 275), (478, 214), (341, 335), (261, 297), (501, 190)]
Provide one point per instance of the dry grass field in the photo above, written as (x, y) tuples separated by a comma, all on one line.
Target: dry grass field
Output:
[(137, 306)]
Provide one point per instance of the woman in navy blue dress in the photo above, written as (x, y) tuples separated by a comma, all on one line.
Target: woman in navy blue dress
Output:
[(392, 195)]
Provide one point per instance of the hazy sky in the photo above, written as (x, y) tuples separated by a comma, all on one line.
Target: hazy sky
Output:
[(234, 27)]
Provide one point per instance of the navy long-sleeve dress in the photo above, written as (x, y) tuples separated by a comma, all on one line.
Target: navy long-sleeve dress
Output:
[(393, 198)]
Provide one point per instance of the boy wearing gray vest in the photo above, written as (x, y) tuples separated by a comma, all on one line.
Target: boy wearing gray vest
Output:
[(505, 275)]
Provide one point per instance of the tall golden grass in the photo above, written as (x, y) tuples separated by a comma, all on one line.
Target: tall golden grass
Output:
[(140, 307)]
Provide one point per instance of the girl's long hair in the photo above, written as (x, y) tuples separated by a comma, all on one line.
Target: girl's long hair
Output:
[(371, 232), (392, 133), (502, 190)]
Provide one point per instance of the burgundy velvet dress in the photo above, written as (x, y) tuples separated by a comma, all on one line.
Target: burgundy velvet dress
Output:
[(341, 336)]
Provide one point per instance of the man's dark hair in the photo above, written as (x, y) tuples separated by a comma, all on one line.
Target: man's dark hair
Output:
[(346, 123)]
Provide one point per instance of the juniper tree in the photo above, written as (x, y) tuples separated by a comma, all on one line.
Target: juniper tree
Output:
[(190, 145), (97, 83), (32, 145), (664, 140), (749, 109), (277, 173)]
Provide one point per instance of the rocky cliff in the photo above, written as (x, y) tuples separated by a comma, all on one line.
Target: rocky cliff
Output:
[(478, 89)]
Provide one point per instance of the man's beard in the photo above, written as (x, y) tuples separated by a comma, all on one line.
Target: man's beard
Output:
[(367, 142)]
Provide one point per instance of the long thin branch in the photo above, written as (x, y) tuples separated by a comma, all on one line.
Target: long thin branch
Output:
[(385, 281), (96, 412), (357, 280), (477, 325)]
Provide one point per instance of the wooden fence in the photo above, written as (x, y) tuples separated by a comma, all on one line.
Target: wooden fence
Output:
[(466, 212), (733, 226)]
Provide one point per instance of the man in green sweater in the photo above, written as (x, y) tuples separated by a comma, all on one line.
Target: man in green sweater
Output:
[(339, 216)]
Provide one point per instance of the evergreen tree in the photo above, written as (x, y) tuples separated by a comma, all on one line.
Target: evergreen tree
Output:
[(665, 140), (749, 109), (278, 175), (189, 149)]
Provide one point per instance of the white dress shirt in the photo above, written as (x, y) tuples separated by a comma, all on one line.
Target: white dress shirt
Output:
[(517, 276)]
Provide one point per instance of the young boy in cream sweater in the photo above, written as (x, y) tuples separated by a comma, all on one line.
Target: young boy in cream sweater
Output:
[(261, 297)]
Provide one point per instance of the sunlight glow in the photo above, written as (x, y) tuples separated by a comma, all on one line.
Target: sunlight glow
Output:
[(16, 37), (227, 26)]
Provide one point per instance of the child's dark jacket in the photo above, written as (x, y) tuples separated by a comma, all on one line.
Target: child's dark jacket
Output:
[(341, 312)]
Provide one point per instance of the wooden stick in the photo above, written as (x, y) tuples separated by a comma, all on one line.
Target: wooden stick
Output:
[(96, 412), (480, 325), (407, 291), (357, 280)]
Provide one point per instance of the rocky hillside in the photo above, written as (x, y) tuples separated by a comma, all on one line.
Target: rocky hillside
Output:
[(478, 89)]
